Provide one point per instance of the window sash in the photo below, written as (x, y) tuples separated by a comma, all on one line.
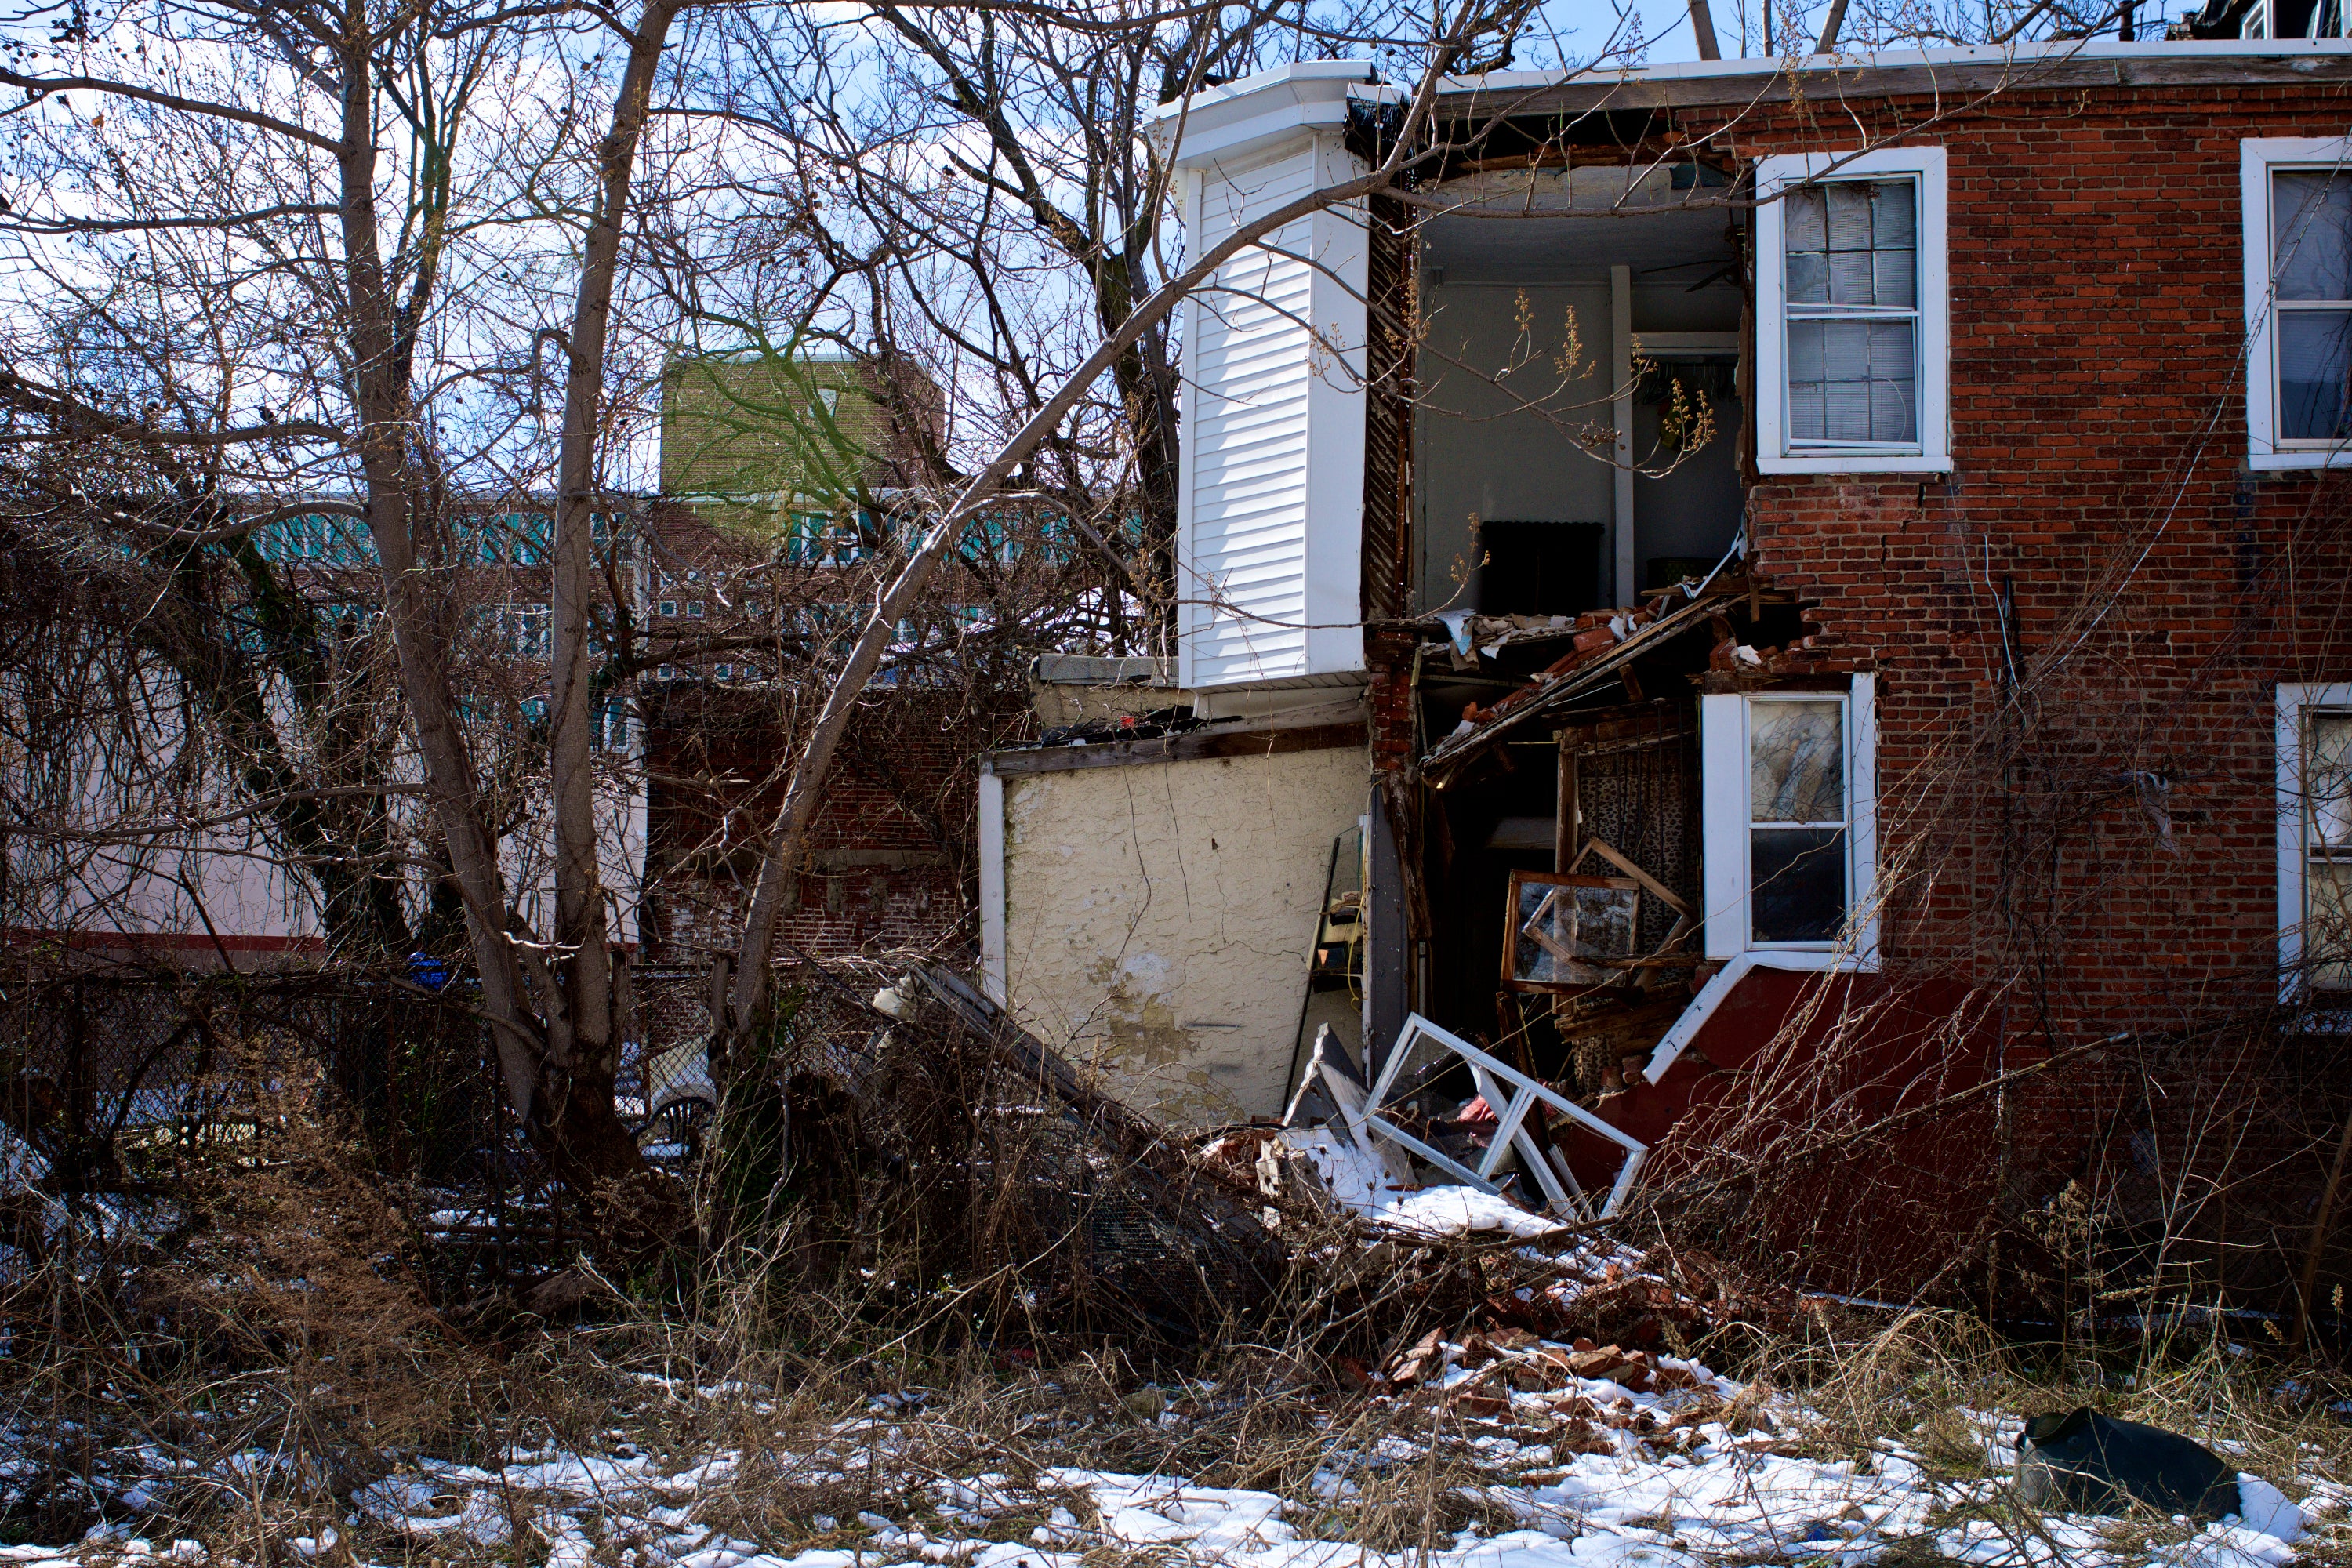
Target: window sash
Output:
[(2281, 306), (1816, 311), (2325, 915), (1840, 828)]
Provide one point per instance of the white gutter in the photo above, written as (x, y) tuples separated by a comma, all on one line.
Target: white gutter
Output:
[(1980, 54)]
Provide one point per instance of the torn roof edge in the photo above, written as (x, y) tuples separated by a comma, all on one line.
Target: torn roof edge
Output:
[(1550, 688)]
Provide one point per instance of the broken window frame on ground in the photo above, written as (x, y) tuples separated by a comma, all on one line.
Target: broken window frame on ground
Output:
[(1510, 1133)]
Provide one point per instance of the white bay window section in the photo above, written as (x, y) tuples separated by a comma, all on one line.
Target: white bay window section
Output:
[(1790, 831), (1852, 321), (2315, 838), (2296, 193)]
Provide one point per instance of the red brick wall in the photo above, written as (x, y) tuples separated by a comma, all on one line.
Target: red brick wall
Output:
[(891, 864), (2160, 592)]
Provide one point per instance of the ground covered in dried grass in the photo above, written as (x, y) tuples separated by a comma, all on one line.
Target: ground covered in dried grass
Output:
[(823, 1442)]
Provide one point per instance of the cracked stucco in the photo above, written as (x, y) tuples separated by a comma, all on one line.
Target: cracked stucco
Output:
[(1157, 919)]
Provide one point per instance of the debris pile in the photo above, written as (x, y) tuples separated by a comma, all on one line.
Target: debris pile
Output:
[(1580, 1397)]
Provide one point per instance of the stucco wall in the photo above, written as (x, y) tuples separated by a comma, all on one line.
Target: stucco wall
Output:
[(1157, 919)]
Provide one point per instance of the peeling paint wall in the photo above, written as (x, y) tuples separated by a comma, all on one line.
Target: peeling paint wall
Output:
[(1157, 919)]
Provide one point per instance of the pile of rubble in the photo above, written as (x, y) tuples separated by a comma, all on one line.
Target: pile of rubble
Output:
[(1589, 1399)]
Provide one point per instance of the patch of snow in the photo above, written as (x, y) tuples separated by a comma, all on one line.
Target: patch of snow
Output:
[(1457, 1211)]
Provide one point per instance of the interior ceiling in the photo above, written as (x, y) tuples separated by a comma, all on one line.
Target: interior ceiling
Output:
[(1580, 247)]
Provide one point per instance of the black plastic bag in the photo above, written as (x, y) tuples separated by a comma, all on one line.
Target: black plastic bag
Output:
[(2088, 1463)]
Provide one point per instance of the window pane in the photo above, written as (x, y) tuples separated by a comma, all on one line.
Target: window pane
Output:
[(1849, 208), (1854, 243), (1860, 373), (1850, 278), (1897, 276), (1894, 217), (1808, 419), (2314, 365), (2327, 781), (1809, 277), (2327, 925), (1808, 224), (2311, 235), (1797, 881), (1796, 762), (1890, 384)]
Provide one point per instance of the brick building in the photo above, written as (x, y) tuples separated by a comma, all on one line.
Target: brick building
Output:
[(1840, 567)]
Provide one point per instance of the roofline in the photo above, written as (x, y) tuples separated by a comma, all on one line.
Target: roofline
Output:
[(1247, 116), (2101, 62)]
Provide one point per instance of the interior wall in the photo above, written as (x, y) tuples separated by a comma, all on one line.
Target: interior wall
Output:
[(1482, 451), (1691, 511), (1479, 450), (1158, 921)]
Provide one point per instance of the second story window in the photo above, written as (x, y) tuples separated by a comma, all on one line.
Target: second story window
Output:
[(1851, 334), (2297, 195)]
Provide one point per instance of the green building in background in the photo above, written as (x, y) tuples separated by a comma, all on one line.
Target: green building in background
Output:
[(773, 444)]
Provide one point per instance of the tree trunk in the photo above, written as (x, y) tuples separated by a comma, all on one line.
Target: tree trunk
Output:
[(578, 1127)]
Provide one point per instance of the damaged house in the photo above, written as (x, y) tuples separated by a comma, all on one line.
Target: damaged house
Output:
[(1795, 606)]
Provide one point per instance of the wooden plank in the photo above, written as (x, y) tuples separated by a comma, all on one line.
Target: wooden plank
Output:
[(1609, 852), (1190, 746)]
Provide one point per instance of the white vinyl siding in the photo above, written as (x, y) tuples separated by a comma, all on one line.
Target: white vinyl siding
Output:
[(1252, 357), (1270, 524)]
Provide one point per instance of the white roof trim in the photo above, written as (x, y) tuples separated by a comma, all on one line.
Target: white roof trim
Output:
[(1976, 54), (1240, 118)]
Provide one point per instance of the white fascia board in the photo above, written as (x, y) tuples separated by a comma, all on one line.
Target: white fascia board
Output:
[(1242, 118), (1190, 613), (2019, 54), (1333, 597), (1861, 819), (1723, 815)]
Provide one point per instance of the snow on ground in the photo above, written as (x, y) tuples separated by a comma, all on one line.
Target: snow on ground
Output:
[(1695, 1496), (1573, 1456)]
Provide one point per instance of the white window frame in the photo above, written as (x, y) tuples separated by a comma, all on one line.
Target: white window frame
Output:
[(2295, 699), (2260, 157), (1726, 826), (1933, 453)]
